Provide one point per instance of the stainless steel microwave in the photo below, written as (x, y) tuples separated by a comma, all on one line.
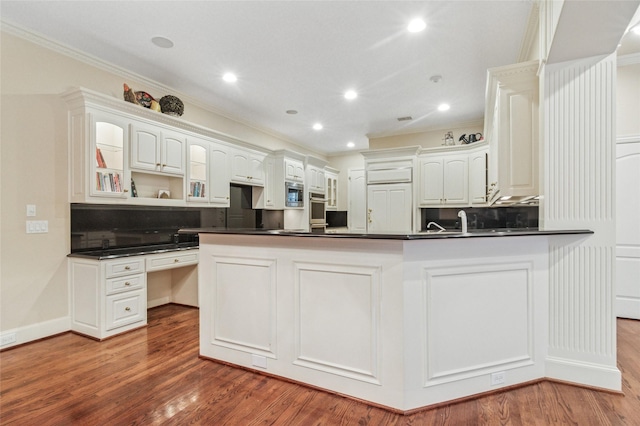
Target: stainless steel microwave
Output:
[(294, 194)]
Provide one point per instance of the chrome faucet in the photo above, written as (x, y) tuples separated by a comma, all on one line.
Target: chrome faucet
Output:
[(463, 220), (434, 224)]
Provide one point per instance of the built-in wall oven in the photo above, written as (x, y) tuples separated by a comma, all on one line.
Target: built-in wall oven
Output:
[(294, 194), (317, 212)]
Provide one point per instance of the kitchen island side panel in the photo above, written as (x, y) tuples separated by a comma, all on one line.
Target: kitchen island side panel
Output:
[(404, 324)]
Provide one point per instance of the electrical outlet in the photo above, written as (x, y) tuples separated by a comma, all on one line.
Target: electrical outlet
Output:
[(258, 361), (5, 339), (497, 378)]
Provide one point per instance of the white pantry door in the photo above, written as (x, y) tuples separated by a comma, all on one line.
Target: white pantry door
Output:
[(628, 229)]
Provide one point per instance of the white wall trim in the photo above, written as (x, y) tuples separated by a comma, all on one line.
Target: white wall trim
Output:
[(630, 59), (627, 139), (38, 331), (585, 373)]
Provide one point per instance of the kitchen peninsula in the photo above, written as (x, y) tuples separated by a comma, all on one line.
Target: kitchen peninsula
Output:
[(400, 321)]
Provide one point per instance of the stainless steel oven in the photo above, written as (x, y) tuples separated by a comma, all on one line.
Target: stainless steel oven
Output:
[(294, 194), (317, 212)]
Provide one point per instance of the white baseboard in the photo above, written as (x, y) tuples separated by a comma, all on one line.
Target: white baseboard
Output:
[(37, 331), (627, 307), (584, 373)]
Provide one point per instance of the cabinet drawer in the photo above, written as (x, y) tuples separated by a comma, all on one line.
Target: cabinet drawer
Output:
[(128, 266), (171, 260), (126, 308), (128, 283)]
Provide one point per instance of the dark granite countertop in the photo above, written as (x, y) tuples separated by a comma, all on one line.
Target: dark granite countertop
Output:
[(115, 253), (426, 235)]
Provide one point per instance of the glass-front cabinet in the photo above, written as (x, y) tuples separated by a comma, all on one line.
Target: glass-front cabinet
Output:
[(198, 172), (109, 136)]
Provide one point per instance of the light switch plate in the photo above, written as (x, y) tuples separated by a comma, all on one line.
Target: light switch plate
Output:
[(31, 210), (37, 226)]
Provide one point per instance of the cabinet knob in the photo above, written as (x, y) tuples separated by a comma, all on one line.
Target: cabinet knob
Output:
[(227, 198), (127, 267), (125, 190), (176, 260), (127, 309), (158, 164), (127, 283), (164, 165)]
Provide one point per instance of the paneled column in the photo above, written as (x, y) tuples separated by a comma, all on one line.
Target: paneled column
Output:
[(579, 193)]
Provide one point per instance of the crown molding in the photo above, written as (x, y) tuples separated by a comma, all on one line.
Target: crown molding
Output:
[(530, 34), (471, 123), (630, 59), (63, 49)]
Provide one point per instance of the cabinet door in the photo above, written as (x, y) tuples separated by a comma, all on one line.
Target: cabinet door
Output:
[(431, 181), (172, 153), (256, 169), (198, 177), (145, 148), (219, 184), (455, 179), (270, 183), (293, 171), (389, 208), (108, 177), (240, 166), (478, 177)]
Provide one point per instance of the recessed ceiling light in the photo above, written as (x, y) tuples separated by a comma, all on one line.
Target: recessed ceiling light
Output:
[(350, 94), (317, 126), (350, 144), (163, 42), (291, 111), (416, 25), (444, 107), (636, 29), (230, 77)]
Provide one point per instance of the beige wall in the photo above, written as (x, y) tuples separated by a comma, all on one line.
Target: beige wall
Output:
[(34, 170), (628, 101), (426, 139)]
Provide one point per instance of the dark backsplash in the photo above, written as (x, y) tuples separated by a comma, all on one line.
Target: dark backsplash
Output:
[(336, 219), (97, 226), (483, 218)]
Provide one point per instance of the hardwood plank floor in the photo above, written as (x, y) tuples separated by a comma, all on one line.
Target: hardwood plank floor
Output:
[(154, 376)]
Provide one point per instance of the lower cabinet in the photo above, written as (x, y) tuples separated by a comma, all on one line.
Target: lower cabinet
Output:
[(109, 297)]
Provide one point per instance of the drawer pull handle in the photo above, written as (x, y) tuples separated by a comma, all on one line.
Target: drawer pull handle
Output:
[(127, 309), (127, 283), (127, 267), (176, 260)]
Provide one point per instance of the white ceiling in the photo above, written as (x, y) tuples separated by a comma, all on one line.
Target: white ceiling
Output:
[(301, 55)]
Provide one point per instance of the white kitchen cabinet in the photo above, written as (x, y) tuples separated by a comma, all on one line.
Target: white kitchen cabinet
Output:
[(357, 199), (208, 178), (389, 208), (247, 167), (511, 127), (331, 188), (478, 177), (444, 179), (157, 150), (107, 297), (316, 179), (293, 170)]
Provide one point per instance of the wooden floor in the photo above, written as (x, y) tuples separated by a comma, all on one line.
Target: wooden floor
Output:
[(154, 376)]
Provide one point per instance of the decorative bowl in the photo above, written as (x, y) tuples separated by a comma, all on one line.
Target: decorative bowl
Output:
[(171, 105)]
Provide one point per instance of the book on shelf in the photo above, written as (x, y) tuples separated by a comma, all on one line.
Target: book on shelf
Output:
[(100, 159), (197, 189), (134, 191), (108, 182)]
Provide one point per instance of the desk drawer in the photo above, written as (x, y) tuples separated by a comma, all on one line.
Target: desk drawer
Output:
[(127, 283), (126, 308), (158, 262), (127, 266)]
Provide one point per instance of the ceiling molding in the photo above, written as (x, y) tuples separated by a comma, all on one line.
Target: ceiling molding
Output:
[(531, 34), (631, 59), (85, 58)]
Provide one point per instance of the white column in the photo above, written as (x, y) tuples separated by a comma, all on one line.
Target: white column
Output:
[(579, 193)]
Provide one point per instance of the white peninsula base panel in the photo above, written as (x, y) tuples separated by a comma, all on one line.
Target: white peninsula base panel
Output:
[(400, 323)]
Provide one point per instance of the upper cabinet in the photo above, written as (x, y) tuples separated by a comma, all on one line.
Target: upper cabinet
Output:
[(331, 188), (156, 150), (208, 173), (293, 170), (315, 181), (511, 127), (108, 140), (444, 180), (247, 167), (280, 167)]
